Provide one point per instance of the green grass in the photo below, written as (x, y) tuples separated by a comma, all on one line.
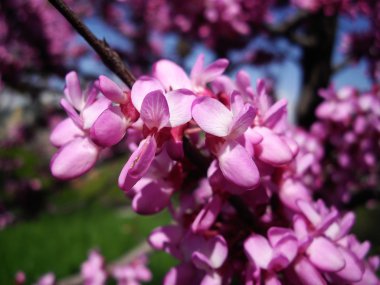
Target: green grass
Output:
[(83, 217), (59, 243)]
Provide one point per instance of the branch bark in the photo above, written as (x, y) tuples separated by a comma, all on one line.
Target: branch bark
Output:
[(316, 66), (110, 58)]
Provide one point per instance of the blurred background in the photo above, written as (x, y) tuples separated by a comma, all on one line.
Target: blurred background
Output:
[(48, 225)]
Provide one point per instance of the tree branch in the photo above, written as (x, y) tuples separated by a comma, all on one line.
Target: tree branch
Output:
[(110, 58), (287, 25), (288, 28), (342, 65)]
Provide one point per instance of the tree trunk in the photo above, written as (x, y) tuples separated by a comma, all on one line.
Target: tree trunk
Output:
[(316, 65)]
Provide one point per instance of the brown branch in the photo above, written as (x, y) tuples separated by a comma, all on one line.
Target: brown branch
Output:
[(288, 25), (342, 65), (288, 29), (110, 58), (141, 249)]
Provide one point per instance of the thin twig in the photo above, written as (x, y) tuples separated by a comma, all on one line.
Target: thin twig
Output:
[(110, 58), (288, 28), (342, 65)]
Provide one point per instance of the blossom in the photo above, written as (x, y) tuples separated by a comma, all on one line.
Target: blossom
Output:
[(93, 269)]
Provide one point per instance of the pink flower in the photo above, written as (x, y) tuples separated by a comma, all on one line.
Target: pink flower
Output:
[(93, 269)]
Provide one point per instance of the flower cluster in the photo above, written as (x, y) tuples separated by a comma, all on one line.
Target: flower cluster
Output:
[(237, 179), (29, 28), (94, 272), (348, 128)]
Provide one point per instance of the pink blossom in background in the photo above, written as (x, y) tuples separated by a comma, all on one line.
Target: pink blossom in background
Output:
[(133, 273), (93, 269)]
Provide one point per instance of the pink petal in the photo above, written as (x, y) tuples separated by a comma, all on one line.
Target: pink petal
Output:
[(151, 197), (258, 250), (71, 112), (326, 110), (138, 163), (182, 274), (242, 121), (109, 128), (171, 75), (238, 166), (65, 132), (73, 91), (288, 248), (211, 116), (275, 113), (111, 90), (223, 84), (307, 273), (309, 212), (74, 159), (180, 102), (214, 70), (325, 255), (293, 190), (304, 162), (197, 67), (243, 80), (212, 278), (271, 279), (272, 150), (237, 103), (92, 112), (155, 110), (353, 270), (207, 216), (212, 254), (369, 277), (143, 86), (166, 238)]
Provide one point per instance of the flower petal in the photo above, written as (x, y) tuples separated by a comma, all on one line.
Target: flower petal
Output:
[(166, 238), (275, 113), (212, 71), (74, 159), (180, 102), (242, 121), (272, 149), (307, 273), (211, 116), (353, 270), (65, 132), (143, 86), (111, 90), (71, 112), (155, 110), (238, 166), (292, 190), (197, 67), (183, 274), (73, 91), (109, 128), (93, 111), (258, 250), (171, 75), (138, 163), (207, 216), (151, 197), (325, 255), (212, 254)]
